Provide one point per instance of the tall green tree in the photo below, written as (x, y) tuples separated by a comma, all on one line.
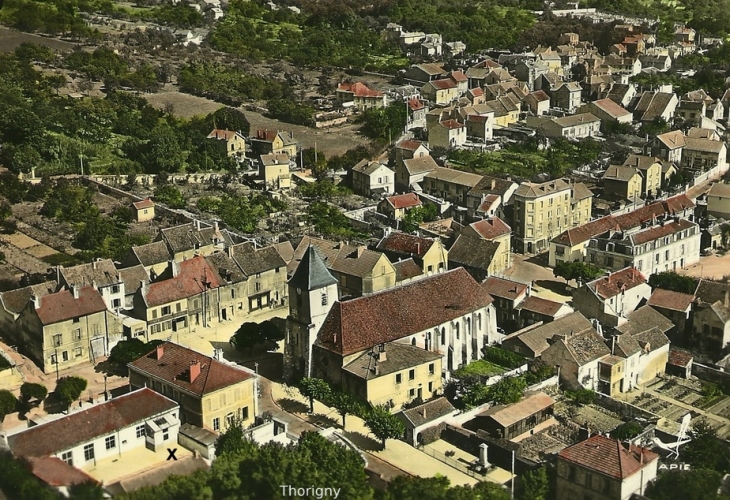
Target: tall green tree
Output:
[(30, 390), (163, 152), (533, 485), (695, 484), (346, 404), (230, 119), (8, 404), (384, 425), (314, 388), (705, 450), (669, 280), (70, 388), (577, 271), (170, 196)]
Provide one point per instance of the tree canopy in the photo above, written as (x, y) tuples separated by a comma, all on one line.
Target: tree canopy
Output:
[(250, 335), (70, 388), (669, 280), (8, 404), (383, 424), (577, 271)]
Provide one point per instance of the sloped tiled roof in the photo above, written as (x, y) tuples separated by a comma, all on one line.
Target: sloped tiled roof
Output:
[(503, 288), (85, 425), (102, 273), (669, 299), (311, 272), (55, 472), (428, 412), (359, 89), (141, 205), (580, 234), (152, 253), (540, 306), (586, 346), (473, 252), (406, 269), (174, 367), (393, 314), (705, 145), (677, 357), (399, 357), (617, 282), (620, 173), (367, 167), (608, 457), (651, 105), (407, 200), (226, 267), (405, 244), (536, 337), (644, 319), (187, 236), (514, 413), (224, 135), (15, 301), (420, 165), (62, 305), (409, 144), (189, 282), (611, 108), (533, 190), (491, 228), (133, 278), (257, 260), (454, 176), (660, 231), (673, 140)]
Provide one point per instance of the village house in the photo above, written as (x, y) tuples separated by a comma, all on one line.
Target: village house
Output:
[(656, 61), (419, 74), (443, 91), (566, 96), (234, 142), (412, 162), (602, 468), (144, 210), (507, 296), (483, 248), (357, 269), (621, 93), (64, 329), (421, 314), (417, 110), (154, 257), (623, 181), (718, 200), (675, 306), (480, 127), (488, 196), (705, 155), (267, 142), (265, 271), (655, 105), (662, 245), (183, 297), (608, 112), (651, 173), (538, 310), (669, 146), (515, 421), (577, 126), (446, 134), (533, 340), (572, 244), (610, 298), (537, 102), (506, 110), (424, 416), (542, 211), (274, 171), (13, 302), (189, 240), (372, 178), (428, 253), (360, 96), (644, 343), (451, 185), (396, 207), (211, 394), (577, 354), (102, 275), (112, 429)]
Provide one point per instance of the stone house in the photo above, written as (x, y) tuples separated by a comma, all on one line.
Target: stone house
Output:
[(577, 355), (234, 142), (651, 169), (611, 298), (360, 95), (446, 134), (396, 207), (144, 210), (274, 171), (507, 296), (372, 178), (274, 142), (211, 394), (100, 274), (577, 126), (623, 181), (428, 253), (265, 270)]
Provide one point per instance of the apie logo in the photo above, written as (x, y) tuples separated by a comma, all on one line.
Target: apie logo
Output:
[(676, 467)]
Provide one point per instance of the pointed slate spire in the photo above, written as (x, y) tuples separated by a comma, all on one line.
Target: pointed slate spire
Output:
[(311, 272)]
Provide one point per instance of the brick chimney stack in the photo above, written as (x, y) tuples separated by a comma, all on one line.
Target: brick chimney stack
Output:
[(194, 370), (160, 351)]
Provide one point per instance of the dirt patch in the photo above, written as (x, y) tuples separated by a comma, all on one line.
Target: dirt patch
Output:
[(714, 266), (11, 39), (183, 105)]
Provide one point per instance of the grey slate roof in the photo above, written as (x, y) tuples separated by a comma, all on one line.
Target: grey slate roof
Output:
[(536, 338), (253, 261), (102, 273), (643, 319), (152, 253), (226, 267), (406, 269), (311, 273), (473, 252), (586, 346), (132, 278), (14, 301), (399, 357), (428, 412)]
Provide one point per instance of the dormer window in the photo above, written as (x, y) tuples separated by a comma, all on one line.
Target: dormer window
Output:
[(324, 299)]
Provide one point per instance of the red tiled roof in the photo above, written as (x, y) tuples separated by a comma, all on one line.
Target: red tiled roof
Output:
[(608, 456), (186, 284), (415, 104), (506, 289), (55, 472), (669, 299), (670, 206), (404, 200), (364, 322), (540, 306), (139, 205), (615, 283), (451, 124), (174, 367), (221, 134), (458, 76), (491, 228), (62, 306), (409, 144), (477, 92), (660, 231), (443, 84), (266, 135), (540, 95), (359, 89), (679, 358), (583, 233), (405, 244), (611, 108), (82, 426)]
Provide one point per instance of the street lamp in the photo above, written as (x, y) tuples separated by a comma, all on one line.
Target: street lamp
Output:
[(106, 395)]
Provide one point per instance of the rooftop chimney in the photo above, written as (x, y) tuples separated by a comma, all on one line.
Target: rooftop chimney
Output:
[(423, 412), (194, 370), (197, 225), (727, 299), (160, 351), (93, 265), (494, 183), (75, 291), (175, 267), (382, 355), (36, 301)]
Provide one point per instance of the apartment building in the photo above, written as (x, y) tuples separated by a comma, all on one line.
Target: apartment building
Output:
[(543, 211)]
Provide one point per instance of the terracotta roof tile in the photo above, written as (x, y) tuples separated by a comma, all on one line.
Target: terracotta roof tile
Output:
[(502, 288), (669, 299), (364, 322), (491, 228), (443, 84), (139, 205), (677, 357), (615, 283), (189, 282), (62, 305), (540, 306), (359, 89), (55, 472), (409, 144), (405, 244), (407, 200), (514, 413), (399, 356), (406, 269), (608, 456), (428, 412), (660, 231), (85, 425), (174, 367)]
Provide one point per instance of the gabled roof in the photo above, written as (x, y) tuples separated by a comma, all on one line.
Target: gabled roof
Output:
[(443, 84), (490, 228), (188, 237), (642, 162), (673, 139), (174, 367), (409, 144), (195, 276), (536, 338), (428, 412), (14, 301), (540, 306), (575, 120), (100, 272), (358, 324), (509, 415), (399, 357), (405, 244), (133, 277), (454, 176), (671, 300), (539, 95), (359, 89), (55, 472), (85, 425), (533, 190), (580, 234), (63, 306), (705, 145), (503, 288), (407, 200), (644, 319), (420, 165), (651, 105), (226, 267), (311, 273), (473, 252), (256, 260), (223, 135), (415, 104), (608, 457), (406, 269), (140, 205), (616, 283), (368, 167), (620, 173), (152, 253), (451, 124), (272, 159), (611, 108), (720, 189)]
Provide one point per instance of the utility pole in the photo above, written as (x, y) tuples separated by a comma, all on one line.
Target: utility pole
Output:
[(81, 158), (512, 483)]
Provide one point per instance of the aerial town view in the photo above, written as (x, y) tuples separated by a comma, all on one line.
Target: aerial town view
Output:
[(387, 250)]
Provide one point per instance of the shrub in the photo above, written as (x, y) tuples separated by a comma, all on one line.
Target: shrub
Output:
[(502, 357), (432, 434), (627, 430), (581, 396)]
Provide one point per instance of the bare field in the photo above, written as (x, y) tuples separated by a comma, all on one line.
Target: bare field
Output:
[(183, 105), (11, 39)]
